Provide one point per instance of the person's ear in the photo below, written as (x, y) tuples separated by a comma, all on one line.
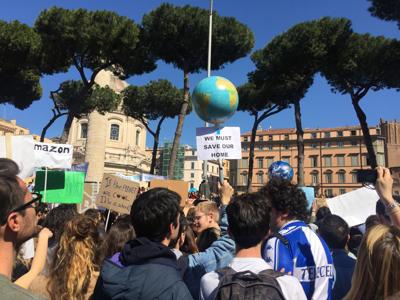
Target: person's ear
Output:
[(14, 221)]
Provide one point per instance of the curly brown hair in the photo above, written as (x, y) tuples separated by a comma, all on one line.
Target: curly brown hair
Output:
[(77, 258), (287, 197)]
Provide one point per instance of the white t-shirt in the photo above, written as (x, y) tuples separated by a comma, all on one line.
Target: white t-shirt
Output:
[(290, 286)]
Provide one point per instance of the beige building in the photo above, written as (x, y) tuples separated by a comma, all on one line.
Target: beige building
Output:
[(331, 157), (110, 143), (11, 127)]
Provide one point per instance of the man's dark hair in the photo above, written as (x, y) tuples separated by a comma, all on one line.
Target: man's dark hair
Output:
[(287, 197), (248, 219), (11, 196), (153, 211), (335, 231), (380, 207), (8, 167), (322, 212), (57, 218)]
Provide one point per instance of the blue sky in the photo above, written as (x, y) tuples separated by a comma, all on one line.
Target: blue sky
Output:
[(266, 18)]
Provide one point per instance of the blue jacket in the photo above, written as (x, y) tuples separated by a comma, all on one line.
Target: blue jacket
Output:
[(143, 270), (217, 256)]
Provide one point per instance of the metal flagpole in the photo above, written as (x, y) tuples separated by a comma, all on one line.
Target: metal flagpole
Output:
[(208, 73)]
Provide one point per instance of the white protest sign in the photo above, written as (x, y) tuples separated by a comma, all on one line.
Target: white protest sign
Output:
[(20, 150), (218, 143), (53, 155), (354, 207)]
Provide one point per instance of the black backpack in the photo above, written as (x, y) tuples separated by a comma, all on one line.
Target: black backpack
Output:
[(246, 285)]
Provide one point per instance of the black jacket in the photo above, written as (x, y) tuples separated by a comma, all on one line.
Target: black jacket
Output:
[(143, 270)]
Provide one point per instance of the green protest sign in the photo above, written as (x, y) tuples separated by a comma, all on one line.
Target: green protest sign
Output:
[(62, 186)]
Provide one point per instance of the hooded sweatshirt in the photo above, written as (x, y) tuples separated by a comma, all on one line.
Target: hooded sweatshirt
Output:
[(143, 270)]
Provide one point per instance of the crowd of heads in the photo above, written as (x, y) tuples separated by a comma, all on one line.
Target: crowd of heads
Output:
[(81, 242)]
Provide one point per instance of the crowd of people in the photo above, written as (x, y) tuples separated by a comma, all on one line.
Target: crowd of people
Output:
[(263, 245)]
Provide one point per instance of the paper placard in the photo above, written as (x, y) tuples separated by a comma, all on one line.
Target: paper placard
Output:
[(53, 155), (218, 143), (354, 207), (117, 194), (179, 186)]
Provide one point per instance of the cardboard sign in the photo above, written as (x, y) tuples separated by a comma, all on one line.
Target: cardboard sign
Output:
[(53, 155), (179, 186), (61, 187), (218, 143), (117, 194), (20, 150)]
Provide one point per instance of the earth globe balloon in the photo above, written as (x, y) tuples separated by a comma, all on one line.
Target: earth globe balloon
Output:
[(215, 99), (280, 169)]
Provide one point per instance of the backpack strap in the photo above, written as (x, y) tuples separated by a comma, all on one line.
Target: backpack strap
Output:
[(274, 275), (225, 271)]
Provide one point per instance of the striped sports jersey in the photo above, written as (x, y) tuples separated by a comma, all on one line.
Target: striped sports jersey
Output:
[(303, 253)]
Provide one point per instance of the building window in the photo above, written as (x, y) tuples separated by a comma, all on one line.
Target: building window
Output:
[(244, 179), (340, 144), (244, 147), (340, 160), (365, 160), (245, 163), (341, 177), (285, 146), (270, 160), (340, 133), (353, 133), (327, 134), (313, 145), (286, 137), (327, 161), (191, 185), (270, 147), (353, 143), (314, 161), (114, 132), (270, 137), (191, 175), (260, 138), (354, 160), (328, 193), (260, 147), (314, 178), (212, 169), (193, 152), (354, 177), (260, 162), (245, 139), (342, 191), (313, 135), (192, 165), (327, 145), (286, 159), (137, 138), (378, 131), (84, 129), (328, 177), (260, 178)]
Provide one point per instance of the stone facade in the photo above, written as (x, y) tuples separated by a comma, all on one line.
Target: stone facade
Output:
[(110, 143)]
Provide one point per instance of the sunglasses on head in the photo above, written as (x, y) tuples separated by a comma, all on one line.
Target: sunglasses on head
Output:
[(34, 203)]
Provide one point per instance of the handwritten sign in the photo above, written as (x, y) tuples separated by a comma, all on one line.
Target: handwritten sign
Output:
[(117, 194), (218, 142), (179, 186)]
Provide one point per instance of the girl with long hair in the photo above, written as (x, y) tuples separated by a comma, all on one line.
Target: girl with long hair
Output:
[(377, 272), (76, 265)]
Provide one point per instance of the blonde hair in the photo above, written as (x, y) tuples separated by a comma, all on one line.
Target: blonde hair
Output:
[(76, 260), (377, 272), (209, 208)]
